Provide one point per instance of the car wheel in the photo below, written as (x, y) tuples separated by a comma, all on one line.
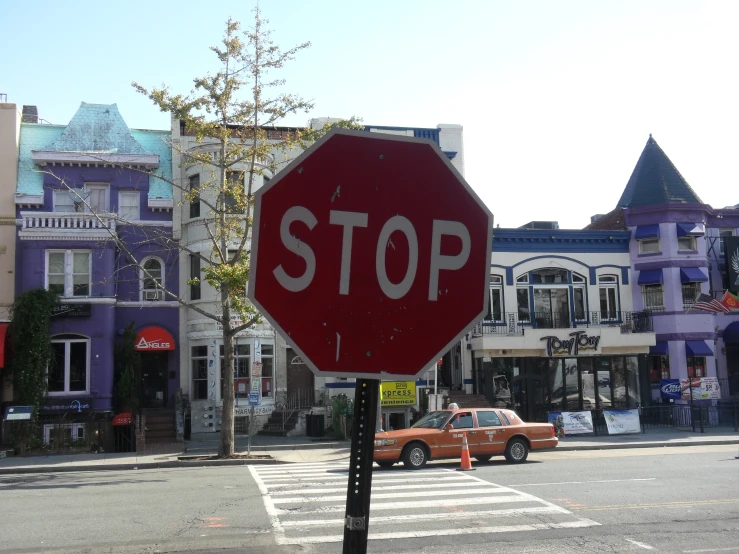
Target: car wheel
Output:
[(414, 456), (517, 451), (385, 465), (483, 459)]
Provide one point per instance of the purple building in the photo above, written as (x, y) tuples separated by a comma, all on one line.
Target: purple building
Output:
[(79, 186), (678, 253)]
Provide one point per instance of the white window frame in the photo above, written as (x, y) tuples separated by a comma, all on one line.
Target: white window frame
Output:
[(67, 196), (69, 271), (644, 242), (608, 282), (496, 286), (692, 243), (134, 209), (271, 379), (67, 342), (193, 381), (152, 295), (73, 429), (105, 187)]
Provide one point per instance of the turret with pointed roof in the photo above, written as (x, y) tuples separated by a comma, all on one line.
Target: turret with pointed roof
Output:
[(655, 180)]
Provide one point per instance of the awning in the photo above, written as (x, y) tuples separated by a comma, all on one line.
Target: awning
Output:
[(3, 334), (731, 333), (692, 275), (690, 230), (650, 277), (697, 348), (154, 339), (659, 349), (647, 232)]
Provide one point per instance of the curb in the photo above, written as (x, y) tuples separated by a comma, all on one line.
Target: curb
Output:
[(307, 446), (572, 447)]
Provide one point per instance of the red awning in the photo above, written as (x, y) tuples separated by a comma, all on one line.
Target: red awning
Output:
[(154, 339), (3, 334)]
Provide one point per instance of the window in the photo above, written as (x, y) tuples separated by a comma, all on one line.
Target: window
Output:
[(462, 420), (199, 365), (495, 307), (608, 294), (686, 243), (64, 201), (690, 294), (195, 200), (522, 297), (128, 205), (696, 366), (152, 280), (268, 367), (235, 194), (63, 434), (577, 278), (550, 275), (579, 296), (723, 233), (488, 418), (194, 275), (67, 372), (68, 272), (653, 297), (242, 368), (523, 278), (649, 246), (97, 198), (660, 369)]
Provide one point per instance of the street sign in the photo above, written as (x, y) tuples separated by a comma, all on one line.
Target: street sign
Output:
[(255, 398), (372, 254)]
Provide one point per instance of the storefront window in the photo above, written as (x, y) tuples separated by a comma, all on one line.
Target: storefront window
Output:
[(632, 380), (268, 351), (555, 382), (587, 377), (660, 369), (620, 400), (199, 361), (696, 367), (572, 384), (603, 381)]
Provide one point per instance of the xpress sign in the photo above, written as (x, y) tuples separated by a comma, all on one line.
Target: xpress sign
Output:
[(371, 254)]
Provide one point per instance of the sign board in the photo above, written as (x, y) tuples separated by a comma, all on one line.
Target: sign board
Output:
[(571, 423), (670, 389), (703, 388), (731, 250), (73, 406), (621, 422), (18, 413), (351, 265), (71, 310), (122, 419), (153, 338), (579, 343), (255, 398), (256, 369), (398, 393)]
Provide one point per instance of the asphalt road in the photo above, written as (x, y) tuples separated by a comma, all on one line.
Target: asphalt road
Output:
[(675, 500)]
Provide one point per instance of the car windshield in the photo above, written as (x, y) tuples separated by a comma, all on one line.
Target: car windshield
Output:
[(433, 420)]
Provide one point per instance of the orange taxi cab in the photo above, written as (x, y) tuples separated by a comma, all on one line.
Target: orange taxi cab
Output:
[(437, 435)]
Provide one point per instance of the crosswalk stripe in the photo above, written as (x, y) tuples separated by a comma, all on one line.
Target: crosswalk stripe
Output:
[(424, 493), (451, 531), (452, 478), (427, 517), (337, 474), (390, 488)]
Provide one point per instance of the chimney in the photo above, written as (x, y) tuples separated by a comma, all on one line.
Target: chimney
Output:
[(30, 114)]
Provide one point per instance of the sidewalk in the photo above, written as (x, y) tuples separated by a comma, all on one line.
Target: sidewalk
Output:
[(304, 449)]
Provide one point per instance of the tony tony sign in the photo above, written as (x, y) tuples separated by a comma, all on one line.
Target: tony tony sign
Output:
[(579, 343)]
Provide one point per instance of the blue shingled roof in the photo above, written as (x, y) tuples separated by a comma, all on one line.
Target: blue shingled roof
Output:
[(96, 128), (655, 180)]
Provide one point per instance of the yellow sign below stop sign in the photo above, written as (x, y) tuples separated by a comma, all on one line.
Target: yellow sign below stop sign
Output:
[(398, 393)]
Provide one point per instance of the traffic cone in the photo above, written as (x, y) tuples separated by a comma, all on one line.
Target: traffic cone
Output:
[(466, 462)]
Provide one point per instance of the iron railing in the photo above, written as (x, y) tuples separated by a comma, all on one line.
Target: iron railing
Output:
[(729, 387), (514, 323), (298, 400), (696, 417)]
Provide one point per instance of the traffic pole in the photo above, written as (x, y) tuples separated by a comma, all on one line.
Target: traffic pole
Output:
[(359, 487)]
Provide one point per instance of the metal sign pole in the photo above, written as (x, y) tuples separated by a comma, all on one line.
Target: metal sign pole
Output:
[(359, 486)]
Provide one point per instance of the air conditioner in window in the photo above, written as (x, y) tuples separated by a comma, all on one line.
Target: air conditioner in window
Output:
[(152, 295)]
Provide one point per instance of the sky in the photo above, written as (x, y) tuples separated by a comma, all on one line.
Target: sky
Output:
[(557, 98)]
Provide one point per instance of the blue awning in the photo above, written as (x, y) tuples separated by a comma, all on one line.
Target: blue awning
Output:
[(650, 277), (731, 333), (659, 349), (697, 348), (647, 232), (692, 275), (690, 230)]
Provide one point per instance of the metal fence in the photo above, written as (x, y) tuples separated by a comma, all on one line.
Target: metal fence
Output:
[(696, 418), (514, 323)]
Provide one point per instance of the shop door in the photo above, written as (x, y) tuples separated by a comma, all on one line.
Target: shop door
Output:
[(530, 394), (154, 379), (732, 365), (299, 379)]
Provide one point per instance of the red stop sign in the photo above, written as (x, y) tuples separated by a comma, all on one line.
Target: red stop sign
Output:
[(371, 255)]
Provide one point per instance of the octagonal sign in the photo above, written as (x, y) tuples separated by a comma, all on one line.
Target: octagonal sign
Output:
[(370, 255)]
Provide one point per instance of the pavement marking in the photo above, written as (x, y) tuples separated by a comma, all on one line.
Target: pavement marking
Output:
[(408, 494), (390, 488), (730, 549), (310, 482), (641, 544), (581, 482), (676, 504)]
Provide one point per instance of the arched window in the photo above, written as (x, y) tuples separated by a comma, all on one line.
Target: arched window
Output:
[(152, 279), (69, 367)]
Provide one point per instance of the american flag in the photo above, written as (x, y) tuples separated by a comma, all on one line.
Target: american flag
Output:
[(708, 303)]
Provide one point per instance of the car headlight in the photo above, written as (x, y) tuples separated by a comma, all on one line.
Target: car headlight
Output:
[(385, 442)]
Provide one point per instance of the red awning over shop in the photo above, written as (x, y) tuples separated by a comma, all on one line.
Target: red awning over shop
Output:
[(154, 339), (3, 334)]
